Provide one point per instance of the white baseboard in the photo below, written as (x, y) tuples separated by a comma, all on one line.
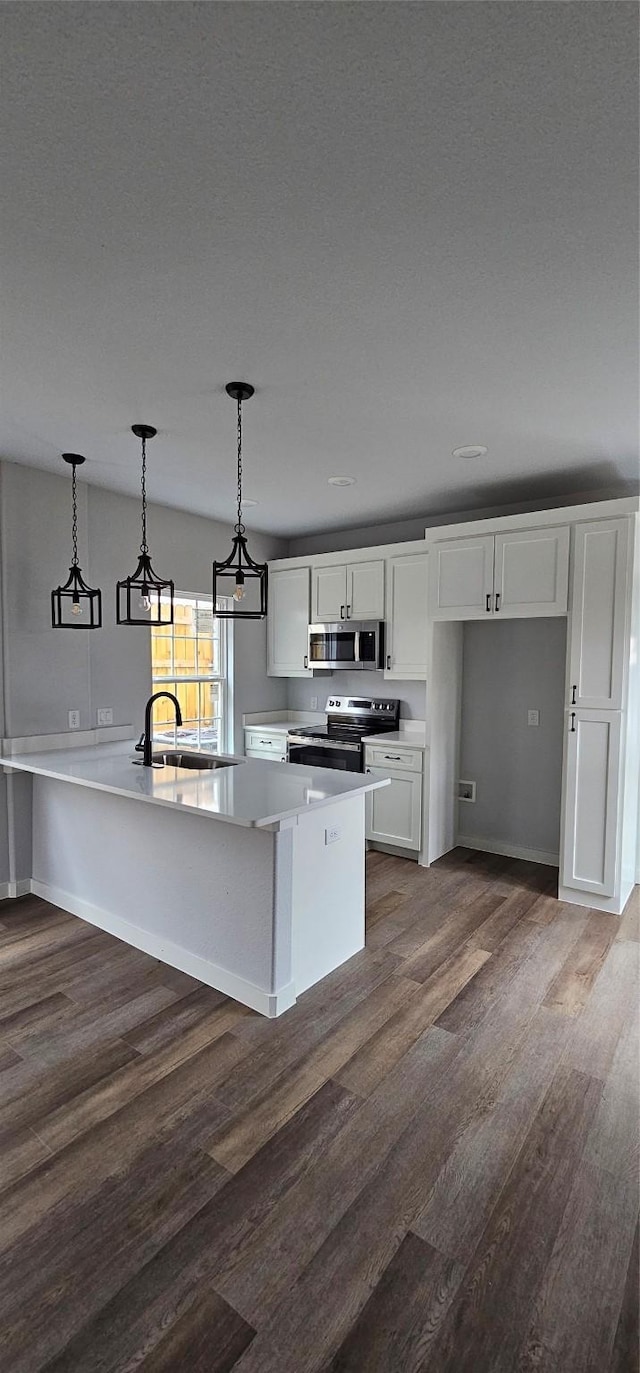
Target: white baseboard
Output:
[(609, 904), (470, 841), (268, 1004), (10, 890)]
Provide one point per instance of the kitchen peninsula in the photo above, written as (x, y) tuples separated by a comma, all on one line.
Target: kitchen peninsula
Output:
[(249, 876)]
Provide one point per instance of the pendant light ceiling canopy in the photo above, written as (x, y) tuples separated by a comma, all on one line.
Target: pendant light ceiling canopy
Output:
[(239, 579), (144, 598), (75, 605)]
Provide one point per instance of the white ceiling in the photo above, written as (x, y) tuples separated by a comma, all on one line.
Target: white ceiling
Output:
[(411, 226)]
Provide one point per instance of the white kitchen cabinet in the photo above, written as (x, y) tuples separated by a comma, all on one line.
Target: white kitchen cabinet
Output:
[(288, 622), (348, 591), (520, 573), (598, 644), (531, 572), (407, 616), (461, 578), (590, 839), (394, 813), (265, 741), (271, 757)]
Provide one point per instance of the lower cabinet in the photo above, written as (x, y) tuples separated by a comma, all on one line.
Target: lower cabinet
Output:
[(590, 840), (394, 813), (264, 743)]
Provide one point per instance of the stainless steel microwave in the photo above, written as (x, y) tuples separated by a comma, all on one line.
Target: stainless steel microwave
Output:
[(347, 645)]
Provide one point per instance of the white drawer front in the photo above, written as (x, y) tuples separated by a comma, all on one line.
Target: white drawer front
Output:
[(395, 756), (265, 741), (253, 753)]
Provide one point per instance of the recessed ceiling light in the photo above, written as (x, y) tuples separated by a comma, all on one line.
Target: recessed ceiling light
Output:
[(474, 450), (341, 481)]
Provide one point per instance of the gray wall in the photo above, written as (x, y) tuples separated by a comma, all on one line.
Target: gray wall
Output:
[(48, 672), (510, 667), (412, 695), (400, 531)]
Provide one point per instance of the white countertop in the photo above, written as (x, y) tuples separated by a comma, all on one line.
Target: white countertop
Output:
[(405, 738), (249, 794)]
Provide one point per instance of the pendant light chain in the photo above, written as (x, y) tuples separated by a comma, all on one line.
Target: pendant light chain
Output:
[(144, 547), (74, 523), (240, 529)]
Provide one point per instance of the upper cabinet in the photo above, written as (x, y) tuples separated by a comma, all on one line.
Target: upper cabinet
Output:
[(407, 609), (520, 573), (598, 638), (348, 591), (288, 622)]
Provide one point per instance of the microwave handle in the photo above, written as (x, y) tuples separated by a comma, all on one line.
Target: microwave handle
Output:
[(356, 645)]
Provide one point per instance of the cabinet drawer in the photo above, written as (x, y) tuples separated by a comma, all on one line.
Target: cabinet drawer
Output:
[(269, 757), (393, 757), (264, 741)]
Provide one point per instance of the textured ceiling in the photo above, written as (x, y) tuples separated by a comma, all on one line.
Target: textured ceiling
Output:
[(411, 226)]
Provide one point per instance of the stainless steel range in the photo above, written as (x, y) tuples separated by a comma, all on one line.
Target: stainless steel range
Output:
[(338, 744)]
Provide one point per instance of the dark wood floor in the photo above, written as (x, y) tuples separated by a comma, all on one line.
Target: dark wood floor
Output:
[(429, 1163)]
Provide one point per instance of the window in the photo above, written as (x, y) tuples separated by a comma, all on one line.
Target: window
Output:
[(189, 658)]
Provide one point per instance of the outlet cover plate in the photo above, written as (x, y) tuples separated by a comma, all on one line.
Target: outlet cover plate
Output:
[(105, 715), (333, 834), (74, 719)]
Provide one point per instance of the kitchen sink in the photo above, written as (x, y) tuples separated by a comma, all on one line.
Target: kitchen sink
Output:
[(197, 762)]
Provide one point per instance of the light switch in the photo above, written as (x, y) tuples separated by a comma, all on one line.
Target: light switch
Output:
[(533, 717)]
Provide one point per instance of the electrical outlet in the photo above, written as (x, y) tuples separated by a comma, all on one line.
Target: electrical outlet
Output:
[(332, 834), (74, 719), (105, 716), (466, 791), (313, 704), (533, 717)]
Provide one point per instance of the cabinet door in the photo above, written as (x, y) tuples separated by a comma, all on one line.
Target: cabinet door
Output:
[(288, 622), (591, 799), (329, 596), (532, 572), (461, 578), (598, 615), (365, 591), (393, 813), (407, 614)]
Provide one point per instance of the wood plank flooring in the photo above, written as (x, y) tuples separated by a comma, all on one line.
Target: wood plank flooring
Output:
[(428, 1165)]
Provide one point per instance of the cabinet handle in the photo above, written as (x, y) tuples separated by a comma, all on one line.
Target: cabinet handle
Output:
[(348, 612), (393, 757), (342, 612), (367, 769), (573, 722), (497, 600), (573, 695), (388, 662), (488, 602), (306, 660)]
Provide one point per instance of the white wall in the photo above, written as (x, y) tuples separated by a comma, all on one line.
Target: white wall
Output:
[(509, 667), (412, 695)]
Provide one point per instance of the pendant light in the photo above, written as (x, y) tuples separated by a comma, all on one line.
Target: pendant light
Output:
[(230, 578), (139, 599), (76, 605)]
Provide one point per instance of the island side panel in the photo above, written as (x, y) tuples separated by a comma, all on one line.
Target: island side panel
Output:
[(188, 889), (328, 889)]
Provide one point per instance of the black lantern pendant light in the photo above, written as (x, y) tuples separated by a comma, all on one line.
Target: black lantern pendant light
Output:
[(234, 578), (144, 598), (75, 605)]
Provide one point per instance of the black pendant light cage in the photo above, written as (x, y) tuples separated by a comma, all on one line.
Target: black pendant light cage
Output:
[(230, 577), (144, 598), (75, 605)]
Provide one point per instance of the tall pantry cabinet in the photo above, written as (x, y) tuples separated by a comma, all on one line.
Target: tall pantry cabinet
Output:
[(600, 766)]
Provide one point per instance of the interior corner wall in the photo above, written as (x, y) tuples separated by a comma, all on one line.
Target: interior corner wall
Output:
[(48, 672), (509, 668)]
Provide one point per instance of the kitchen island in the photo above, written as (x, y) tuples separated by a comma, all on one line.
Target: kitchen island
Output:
[(249, 877)]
